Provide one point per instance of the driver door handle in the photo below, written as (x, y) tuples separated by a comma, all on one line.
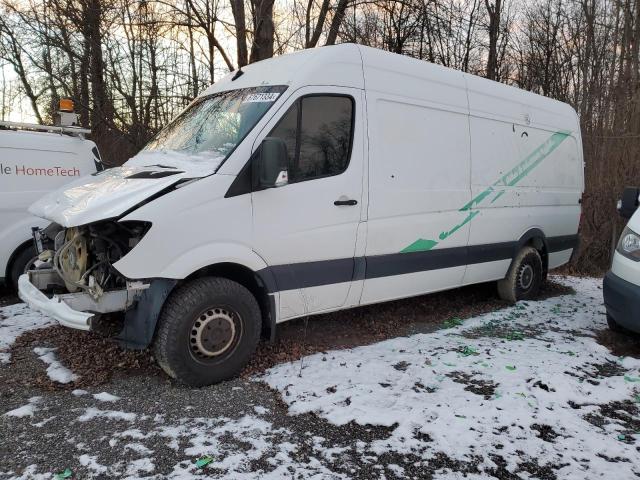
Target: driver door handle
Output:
[(348, 203)]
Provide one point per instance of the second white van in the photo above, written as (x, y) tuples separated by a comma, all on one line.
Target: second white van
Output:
[(34, 160), (312, 182), (621, 285)]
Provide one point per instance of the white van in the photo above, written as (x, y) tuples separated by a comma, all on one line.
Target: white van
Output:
[(312, 182), (621, 288), (33, 161)]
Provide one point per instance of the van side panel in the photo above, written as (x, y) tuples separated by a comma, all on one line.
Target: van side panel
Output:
[(32, 164), (526, 173), (418, 178)]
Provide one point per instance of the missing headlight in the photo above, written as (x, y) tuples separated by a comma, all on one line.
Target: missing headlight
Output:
[(83, 256)]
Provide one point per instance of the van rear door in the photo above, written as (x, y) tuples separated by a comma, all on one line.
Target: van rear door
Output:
[(306, 230)]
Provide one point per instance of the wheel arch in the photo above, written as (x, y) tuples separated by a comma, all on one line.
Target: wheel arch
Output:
[(535, 237), (12, 258), (261, 285)]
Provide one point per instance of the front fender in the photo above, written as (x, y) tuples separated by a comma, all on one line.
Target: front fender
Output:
[(141, 264)]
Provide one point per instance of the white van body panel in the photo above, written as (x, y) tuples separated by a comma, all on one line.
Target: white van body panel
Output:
[(32, 164), (526, 155), (418, 167), (625, 268), (199, 220), (452, 174)]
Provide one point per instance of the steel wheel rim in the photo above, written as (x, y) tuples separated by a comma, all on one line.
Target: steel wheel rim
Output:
[(214, 332), (525, 277)]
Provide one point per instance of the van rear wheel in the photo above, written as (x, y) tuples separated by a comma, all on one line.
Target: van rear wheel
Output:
[(207, 331), (524, 278)]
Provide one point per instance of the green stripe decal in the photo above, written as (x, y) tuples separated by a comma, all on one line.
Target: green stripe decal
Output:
[(509, 179)]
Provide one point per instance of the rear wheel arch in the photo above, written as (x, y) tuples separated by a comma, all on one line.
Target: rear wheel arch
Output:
[(537, 239)]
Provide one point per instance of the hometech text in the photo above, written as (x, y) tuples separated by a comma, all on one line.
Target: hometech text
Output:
[(23, 170)]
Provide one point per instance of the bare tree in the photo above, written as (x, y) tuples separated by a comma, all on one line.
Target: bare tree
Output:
[(494, 10)]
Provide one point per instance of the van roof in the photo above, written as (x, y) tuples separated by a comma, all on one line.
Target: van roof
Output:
[(333, 65), (351, 65), (26, 139)]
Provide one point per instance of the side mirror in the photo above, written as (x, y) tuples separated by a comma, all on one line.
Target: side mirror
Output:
[(271, 167), (629, 202)]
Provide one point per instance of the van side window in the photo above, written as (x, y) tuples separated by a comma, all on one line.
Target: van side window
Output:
[(318, 132), (287, 130)]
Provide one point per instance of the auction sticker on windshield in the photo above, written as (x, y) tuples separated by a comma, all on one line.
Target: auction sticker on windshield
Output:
[(262, 97)]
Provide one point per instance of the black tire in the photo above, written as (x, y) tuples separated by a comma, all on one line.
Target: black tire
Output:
[(18, 265), (613, 325), (524, 278), (208, 330)]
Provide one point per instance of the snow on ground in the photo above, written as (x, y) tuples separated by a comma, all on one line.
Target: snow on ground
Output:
[(527, 385), (26, 410), (92, 413), (56, 371), (231, 445), (249, 447), (106, 397), (14, 321), (524, 383)]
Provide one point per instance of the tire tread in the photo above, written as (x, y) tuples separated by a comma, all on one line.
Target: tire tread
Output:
[(507, 286)]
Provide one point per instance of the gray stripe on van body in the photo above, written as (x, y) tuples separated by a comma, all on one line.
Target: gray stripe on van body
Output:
[(327, 272)]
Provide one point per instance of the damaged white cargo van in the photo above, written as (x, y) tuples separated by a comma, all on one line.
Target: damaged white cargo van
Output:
[(315, 181)]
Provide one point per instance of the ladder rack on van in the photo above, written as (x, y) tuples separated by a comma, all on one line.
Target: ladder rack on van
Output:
[(45, 128)]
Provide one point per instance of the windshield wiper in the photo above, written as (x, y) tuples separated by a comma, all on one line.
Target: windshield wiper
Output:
[(161, 166)]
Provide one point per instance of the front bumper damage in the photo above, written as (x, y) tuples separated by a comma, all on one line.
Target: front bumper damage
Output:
[(75, 310), (140, 304), (53, 307)]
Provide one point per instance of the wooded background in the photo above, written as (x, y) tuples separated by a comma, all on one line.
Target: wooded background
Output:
[(133, 65)]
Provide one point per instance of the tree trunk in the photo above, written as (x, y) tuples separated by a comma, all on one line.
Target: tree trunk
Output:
[(312, 41), (263, 30), (237, 8), (192, 54), (336, 22), (102, 109), (494, 12)]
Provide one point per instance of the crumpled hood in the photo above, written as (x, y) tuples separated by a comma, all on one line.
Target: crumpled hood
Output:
[(112, 192)]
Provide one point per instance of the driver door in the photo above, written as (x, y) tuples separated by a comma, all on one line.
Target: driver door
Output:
[(306, 229)]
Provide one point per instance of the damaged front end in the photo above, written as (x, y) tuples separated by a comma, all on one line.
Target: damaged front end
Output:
[(73, 280)]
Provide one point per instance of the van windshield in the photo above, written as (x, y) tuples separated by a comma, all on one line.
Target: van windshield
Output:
[(212, 126)]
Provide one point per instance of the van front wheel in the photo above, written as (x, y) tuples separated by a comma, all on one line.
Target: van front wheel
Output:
[(524, 278), (207, 331), (19, 264)]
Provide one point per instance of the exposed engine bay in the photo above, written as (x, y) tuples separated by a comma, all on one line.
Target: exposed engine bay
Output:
[(80, 259), (74, 279)]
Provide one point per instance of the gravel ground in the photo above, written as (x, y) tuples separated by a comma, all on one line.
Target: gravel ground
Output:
[(147, 426), (7, 297)]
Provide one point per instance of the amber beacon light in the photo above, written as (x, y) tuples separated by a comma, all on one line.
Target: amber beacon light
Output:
[(66, 105)]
